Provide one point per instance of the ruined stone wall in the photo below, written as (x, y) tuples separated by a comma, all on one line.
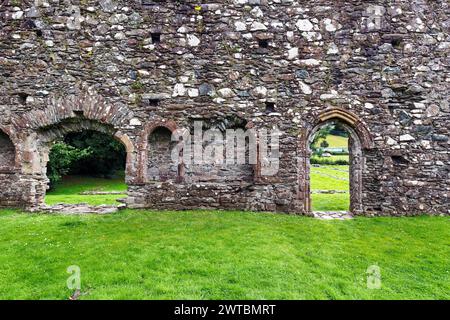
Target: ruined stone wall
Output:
[(380, 66), (7, 153), (160, 165)]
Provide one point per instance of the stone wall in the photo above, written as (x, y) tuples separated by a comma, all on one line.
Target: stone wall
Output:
[(7, 153), (382, 67), (160, 164)]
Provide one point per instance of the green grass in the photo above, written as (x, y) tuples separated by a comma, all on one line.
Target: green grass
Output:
[(324, 178), (339, 157), (67, 191), (222, 255), (335, 141), (330, 202), (321, 178)]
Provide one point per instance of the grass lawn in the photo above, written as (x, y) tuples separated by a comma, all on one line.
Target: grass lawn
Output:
[(67, 191), (329, 178), (330, 202), (324, 178), (334, 141), (339, 157), (222, 255)]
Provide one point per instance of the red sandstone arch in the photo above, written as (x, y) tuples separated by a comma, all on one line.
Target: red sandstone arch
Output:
[(350, 119), (143, 147), (361, 140)]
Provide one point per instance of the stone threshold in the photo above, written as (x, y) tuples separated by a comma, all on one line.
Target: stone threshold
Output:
[(333, 215), (79, 209), (102, 193)]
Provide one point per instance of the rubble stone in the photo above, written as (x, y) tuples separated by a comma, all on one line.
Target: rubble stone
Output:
[(139, 70)]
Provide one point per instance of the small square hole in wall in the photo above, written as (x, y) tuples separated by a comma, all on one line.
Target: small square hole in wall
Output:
[(156, 37), (396, 43), (153, 102), (270, 107), (264, 43), (399, 160), (23, 97)]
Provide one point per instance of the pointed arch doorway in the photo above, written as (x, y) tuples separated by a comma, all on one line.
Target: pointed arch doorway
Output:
[(359, 139)]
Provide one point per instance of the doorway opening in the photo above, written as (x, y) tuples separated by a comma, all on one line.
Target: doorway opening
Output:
[(334, 168), (86, 167)]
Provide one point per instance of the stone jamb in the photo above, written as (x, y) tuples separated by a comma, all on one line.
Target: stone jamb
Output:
[(360, 140)]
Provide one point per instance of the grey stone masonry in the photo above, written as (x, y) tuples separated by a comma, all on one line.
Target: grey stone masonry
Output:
[(140, 69)]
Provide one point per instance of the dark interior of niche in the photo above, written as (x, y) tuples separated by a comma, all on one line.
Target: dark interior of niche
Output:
[(263, 43), (22, 97), (153, 102), (156, 37), (396, 42), (270, 107), (399, 160)]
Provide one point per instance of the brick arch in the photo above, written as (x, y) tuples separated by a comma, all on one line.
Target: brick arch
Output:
[(360, 140), (149, 128), (46, 135), (152, 126)]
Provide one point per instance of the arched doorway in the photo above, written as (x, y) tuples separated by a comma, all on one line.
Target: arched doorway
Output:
[(86, 167), (84, 149), (359, 140), (335, 167)]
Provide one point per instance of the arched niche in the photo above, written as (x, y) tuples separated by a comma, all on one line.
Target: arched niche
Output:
[(7, 153), (160, 165)]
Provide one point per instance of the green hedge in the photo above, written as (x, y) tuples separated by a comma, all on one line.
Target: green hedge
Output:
[(330, 162)]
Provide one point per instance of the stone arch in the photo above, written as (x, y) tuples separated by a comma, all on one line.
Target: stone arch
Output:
[(169, 126), (12, 191), (9, 153), (360, 140), (41, 142), (85, 109), (351, 120), (85, 102)]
